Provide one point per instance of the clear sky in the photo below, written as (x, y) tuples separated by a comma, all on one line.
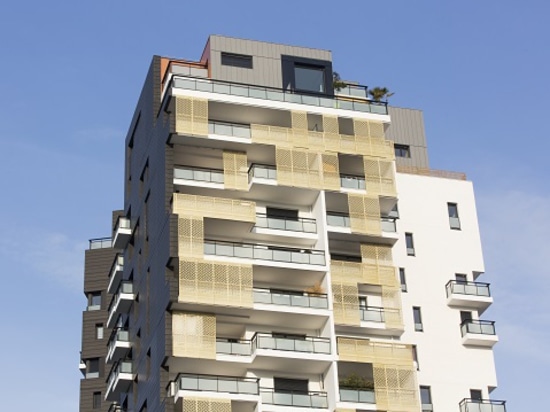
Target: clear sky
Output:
[(70, 76)]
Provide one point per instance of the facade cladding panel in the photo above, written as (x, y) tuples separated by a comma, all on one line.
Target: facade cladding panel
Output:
[(277, 314)]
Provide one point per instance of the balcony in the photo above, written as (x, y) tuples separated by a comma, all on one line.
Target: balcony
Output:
[(372, 314), (119, 380), (101, 243), (482, 405), (474, 295), (264, 252), (123, 233), (352, 182), (260, 341), (197, 174), (336, 219), (237, 388), (229, 129), (121, 302), (291, 298), (296, 399), (478, 333), (115, 275), (119, 345), (357, 395), (259, 171), (115, 407), (279, 95)]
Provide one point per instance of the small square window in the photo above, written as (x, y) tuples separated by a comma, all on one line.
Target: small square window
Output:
[(309, 78), (99, 331), (96, 400), (402, 279), (94, 301), (237, 60), (92, 368), (454, 220), (402, 150), (461, 279), (426, 398), (417, 316), (476, 395), (410, 244)]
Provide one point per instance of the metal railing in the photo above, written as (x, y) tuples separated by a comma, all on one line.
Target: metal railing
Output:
[(357, 395), (262, 172), (478, 327), (300, 224), (226, 384), (245, 347), (122, 223), (372, 314), (125, 287), (388, 224), (352, 182), (229, 129), (101, 243), (446, 174), (294, 398), (268, 93), (468, 288), (198, 174), (118, 368), (291, 298), (343, 220), (353, 91), (118, 335), (482, 405), (264, 252)]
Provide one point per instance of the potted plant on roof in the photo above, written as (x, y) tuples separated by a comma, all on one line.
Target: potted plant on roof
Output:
[(379, 93)]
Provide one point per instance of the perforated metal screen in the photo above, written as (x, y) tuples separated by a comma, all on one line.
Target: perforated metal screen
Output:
[(206, 405), (235, 170), (213, 207), (191, 116), (194, 335)]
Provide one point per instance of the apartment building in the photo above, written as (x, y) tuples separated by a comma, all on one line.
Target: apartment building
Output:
[(283, 246)]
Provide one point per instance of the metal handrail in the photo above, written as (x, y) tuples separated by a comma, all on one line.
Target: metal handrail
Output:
[(125, 286), (101, 243), (468, 288), (270, 171), (478, 326), (200, 174), (300, 224), (216, 383), (475, 405), (305, 344), (309, 399)]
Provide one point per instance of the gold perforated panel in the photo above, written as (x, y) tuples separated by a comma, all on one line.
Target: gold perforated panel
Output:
[(206, 405), (190, 237), (272, 135), (391, 302), (194, 335), (298, 167), (215, 283), (379, 176), (367, 351), (213, 207), (395, 388), (331, 171), (191, 116), (346, 303), (364, 213), (235, 170)]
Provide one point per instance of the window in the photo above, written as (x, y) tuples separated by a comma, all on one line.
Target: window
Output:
[(94, 301), (402, 150), (417, 316), (96, 400), (426, 398), (476, 395), (461, 278), (237, 60), (410, 244), (291, 385), (402, 279), (92, 368), (454, 220), (281, 213), (309, 78), (415, 357), (99, 330), (465, 316)]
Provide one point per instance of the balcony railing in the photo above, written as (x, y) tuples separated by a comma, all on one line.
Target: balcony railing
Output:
[(266, 93), (468, 288), (245, 347), (122, 223), (122, 367), (352, 182), (262, 172), (482, 405), (343, 220), (229, 129), (372, 314), (479, 327), (118, 335), (224, 384), (264, 252), (353, 91), (291, 298), (357, 395), (282, 223), (101, 243), (294, 398), (198, 174), (125, 287)]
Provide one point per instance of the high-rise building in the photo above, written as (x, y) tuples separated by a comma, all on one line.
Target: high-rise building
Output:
[(284, 246)]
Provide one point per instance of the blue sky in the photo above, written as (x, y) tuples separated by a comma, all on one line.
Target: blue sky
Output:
[(70, 76)]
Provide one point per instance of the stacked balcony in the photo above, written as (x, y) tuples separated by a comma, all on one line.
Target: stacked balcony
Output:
[(290, 298), (115, 274), (473, 295), (262, 342), (119, 345), (477, 332), (123, 233), (295, 399), (119, 380), (482, 405), (121, 302), (226, 387)]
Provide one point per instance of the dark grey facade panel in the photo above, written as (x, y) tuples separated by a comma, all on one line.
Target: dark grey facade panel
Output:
[(97, 264), (87, 389), (407, 128)]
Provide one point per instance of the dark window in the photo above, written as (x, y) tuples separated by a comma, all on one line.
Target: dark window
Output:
[(476, 395), (309, 78), (417, 316), (454, 220), (460, 278), (94, 302), (402, 150), (425, 397), (291, 385), (410, 244), (415, 357), (281, 213), (237, 60), (345, 258), (96, 400), (99, 330), (465, 316), (402, 279), (394, 212), (92, 368)]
